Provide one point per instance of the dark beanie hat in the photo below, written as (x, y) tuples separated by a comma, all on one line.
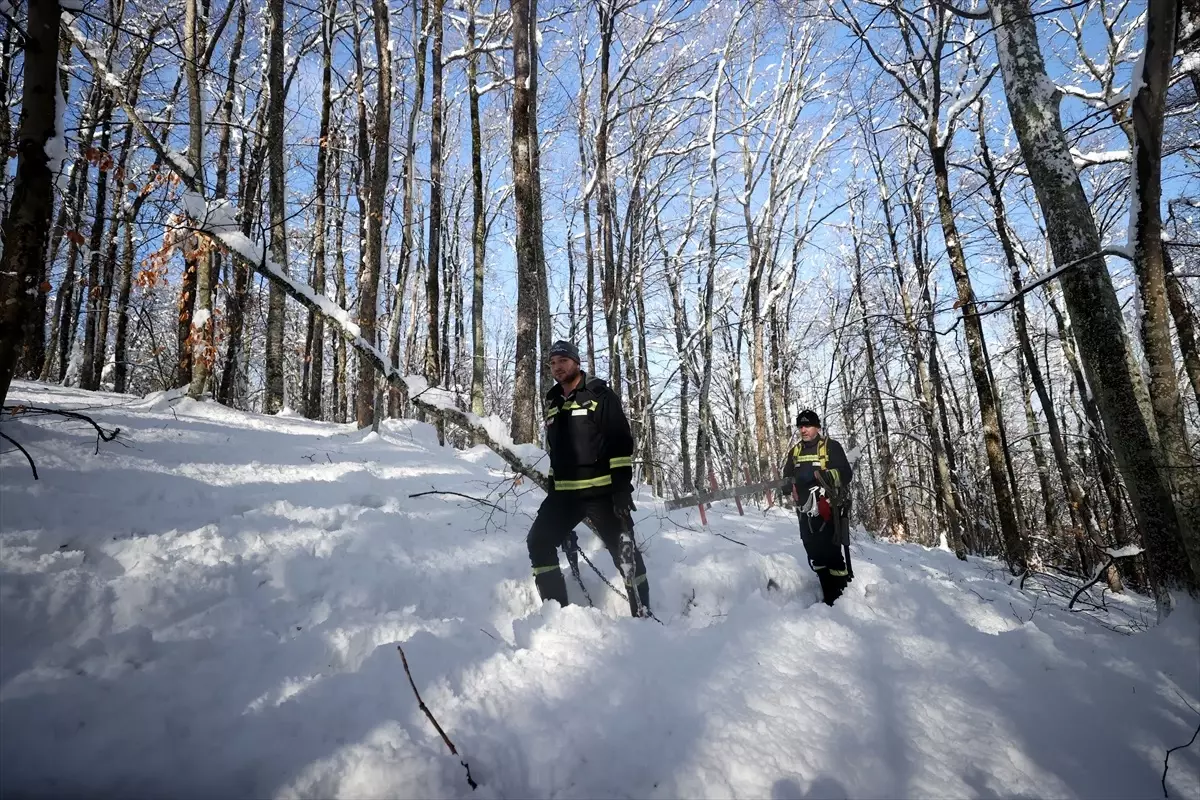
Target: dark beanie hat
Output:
[(808, 417), (564, 348)]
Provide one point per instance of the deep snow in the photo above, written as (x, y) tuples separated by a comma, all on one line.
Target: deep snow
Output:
[(211, 607)]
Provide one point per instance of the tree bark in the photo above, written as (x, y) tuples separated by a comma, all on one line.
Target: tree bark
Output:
[(433, 351), (89, 378), (1088, 289), (887, 465), (276, 198), (200, 337), (604, 205), (1185, 325), (1010, 529), (372, 262), (28, 219), (1148, 109), (525, 383), (404, 268), (478, 225), (316, 322)]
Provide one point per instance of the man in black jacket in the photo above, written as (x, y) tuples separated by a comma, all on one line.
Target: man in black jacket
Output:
[(591, 475), (821, 474)]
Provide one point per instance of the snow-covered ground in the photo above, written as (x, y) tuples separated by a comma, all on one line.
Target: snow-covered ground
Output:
[(211, 606)]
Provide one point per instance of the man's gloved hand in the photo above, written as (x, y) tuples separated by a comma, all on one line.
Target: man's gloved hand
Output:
[(623, 501)]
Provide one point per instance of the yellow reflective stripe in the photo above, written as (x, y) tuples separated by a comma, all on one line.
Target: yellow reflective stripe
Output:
[(841, 573), (817, 568), (566, 486), (540, 570), (550, 412), (639, 580), (620, 461), (821, 457)]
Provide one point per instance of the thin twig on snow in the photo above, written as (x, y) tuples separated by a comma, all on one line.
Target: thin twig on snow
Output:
[(1167, 759), (429, 714), (28, 457), (458, 494)]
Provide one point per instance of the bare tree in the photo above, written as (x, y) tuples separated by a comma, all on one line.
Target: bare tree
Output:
[(524, 196), (29, 212), (1087, 287)]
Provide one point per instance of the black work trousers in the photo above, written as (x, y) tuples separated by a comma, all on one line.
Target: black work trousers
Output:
[(823, 544), (560, 512)]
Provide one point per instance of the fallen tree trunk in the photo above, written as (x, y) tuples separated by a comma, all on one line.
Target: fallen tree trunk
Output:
[(218, 220)]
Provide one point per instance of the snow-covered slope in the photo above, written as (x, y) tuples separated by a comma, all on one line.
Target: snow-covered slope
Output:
[(211, 606)]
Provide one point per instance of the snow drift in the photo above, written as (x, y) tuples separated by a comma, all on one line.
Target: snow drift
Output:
[(211, 606)]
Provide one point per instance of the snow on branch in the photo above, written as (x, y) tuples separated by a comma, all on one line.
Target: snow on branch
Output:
[(218, 220), (1129, 551), (1082, 159)]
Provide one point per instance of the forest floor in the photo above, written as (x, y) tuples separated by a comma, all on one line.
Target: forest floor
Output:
[(211, 606)]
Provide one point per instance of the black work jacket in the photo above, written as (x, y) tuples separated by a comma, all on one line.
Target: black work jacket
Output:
[(806, 458), (588, 439)]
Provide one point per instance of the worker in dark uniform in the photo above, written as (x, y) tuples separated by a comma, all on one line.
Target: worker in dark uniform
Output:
[(821, 474), (591, 476)]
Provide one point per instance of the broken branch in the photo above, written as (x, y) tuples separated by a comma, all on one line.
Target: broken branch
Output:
[(1167, 759), (254, 256), (429, 714), (28, 457), (458, 494)]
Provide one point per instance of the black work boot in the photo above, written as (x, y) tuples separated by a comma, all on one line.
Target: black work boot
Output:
[(551, 585), (639, 604), (831, 585)]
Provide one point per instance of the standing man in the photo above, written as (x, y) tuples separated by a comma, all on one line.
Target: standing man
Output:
[(591, 475), (820, 474)]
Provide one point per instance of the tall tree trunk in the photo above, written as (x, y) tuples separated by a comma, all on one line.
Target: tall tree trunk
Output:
[(545, 326), (29, 213), (123, 212), (1185, 325), (588, 247), (604, 205), (679, 313), (273, 400), (420, 18), (224, 150), (525, 384), (1149, 106), (341, 367), (1079, 501), (433, 351), (478, 225), (1053, 528), (68, 219), (704, 421), (891, 488), (236, 300), (89, 378), (316, 322), (1087, 286), (1010, 529), (200, 335), (1095, 434), (372, 263)]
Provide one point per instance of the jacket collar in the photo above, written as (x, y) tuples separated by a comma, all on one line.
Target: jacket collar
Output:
[(557, 390)]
